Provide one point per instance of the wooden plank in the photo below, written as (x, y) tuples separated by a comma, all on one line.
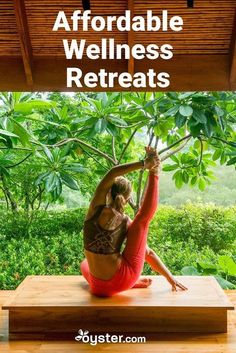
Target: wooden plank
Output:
[(23, 31), (188, 73), (62, 304), (37, 292), (232, 77), (169, 343), (127, 320)]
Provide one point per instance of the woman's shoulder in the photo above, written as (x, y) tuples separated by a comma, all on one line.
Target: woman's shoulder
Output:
[(94, 212)]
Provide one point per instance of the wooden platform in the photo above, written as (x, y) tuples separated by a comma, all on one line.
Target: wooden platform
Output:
[(60, 305)]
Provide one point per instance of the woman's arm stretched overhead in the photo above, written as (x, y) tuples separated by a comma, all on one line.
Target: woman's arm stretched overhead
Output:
[(106, 183)]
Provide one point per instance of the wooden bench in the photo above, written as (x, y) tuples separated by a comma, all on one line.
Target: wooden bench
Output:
[(44, 306)]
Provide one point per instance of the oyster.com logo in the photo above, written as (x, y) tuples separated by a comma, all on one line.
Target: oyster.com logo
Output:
[(94, 339)]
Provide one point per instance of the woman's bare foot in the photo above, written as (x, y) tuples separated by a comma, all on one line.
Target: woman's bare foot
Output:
[(143, 283)]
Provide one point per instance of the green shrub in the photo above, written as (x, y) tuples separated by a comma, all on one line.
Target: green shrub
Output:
[(207, 225), (43, 224), (53, 243)]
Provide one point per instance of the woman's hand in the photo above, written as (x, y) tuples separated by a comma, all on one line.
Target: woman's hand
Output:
[(152, 161), (175, 284)]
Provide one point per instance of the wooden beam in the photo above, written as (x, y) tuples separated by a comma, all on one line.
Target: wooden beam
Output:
[(131, 38), (187, 73), (232, 77), (23, 31)]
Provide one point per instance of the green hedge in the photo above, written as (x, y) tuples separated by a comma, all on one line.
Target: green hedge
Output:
[(54, 243), (206, 225)]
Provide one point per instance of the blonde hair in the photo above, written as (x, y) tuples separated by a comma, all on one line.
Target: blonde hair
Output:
[(120, 192)]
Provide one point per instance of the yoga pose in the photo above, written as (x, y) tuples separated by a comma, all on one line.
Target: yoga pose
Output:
[(106, 227)]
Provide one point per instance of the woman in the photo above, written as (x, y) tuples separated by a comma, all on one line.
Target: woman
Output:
[(106, 227)]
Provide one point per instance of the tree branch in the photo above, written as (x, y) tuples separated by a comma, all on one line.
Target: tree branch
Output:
[(200, 158), (127, 145), (229, 143), (175, 144), (113, 148), (81, 142), (18, 163), (95, 159), (172, 152)]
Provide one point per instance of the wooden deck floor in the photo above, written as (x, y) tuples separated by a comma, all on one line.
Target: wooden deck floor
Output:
[(168, 343)]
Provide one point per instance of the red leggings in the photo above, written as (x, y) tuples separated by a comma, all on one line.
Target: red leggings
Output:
[(133, 256)]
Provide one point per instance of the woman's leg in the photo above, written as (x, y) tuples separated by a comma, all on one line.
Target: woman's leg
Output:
[(135, 249), (84, 268)]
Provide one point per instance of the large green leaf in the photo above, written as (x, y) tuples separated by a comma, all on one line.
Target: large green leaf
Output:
[(69, 181), (232, 161), (8, 133), (199, 116), (74, 167), (180, 120), (23, 134), (170, 167), (227, 265), (30, 106), (186, 110), (51, 181), (224, 283), (189, 271), (201, 183), (172, 111)]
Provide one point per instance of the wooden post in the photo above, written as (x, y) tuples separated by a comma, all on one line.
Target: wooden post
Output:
[(23, 31), (232, 72)]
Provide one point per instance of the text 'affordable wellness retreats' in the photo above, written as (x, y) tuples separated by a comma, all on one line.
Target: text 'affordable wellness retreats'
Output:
[(109, 49)]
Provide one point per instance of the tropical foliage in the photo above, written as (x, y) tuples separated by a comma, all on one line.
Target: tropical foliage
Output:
[(70, 140)]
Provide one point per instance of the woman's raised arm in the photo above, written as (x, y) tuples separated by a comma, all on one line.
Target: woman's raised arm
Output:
[(105, 184)]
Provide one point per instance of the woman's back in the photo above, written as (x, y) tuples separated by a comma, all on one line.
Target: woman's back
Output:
[(104, 234)]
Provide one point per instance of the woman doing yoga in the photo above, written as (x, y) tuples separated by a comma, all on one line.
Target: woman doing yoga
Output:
[(106, 227)]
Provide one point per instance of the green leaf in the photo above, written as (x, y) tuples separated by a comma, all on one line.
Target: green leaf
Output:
[(219, 111), (199, 116), (74, 167), (111, 129), (185, 95), (48, 154), (174, 159), (207, 128), (185, 176), (201, 184), (186, 110), (231, 161), (115, 120), (41, 178), (189, 271), (170, 167), (51, 181), (216, 154), (178, 179), (180, 120), (195, 129), (23, 134), (206, 265), (172, 111), (227, 264), (194, 180), (8, 133), (224, 283), (69, 181), (30, 106)]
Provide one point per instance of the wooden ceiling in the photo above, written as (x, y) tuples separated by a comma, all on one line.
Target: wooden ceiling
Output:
[(32, 56)]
